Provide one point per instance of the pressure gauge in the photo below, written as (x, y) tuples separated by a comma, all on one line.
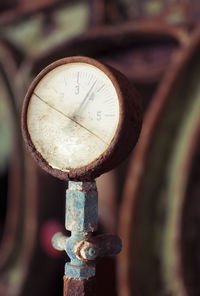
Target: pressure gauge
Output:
[(80, 118)]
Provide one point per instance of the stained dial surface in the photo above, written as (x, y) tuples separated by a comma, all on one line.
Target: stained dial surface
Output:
[(73, 115)]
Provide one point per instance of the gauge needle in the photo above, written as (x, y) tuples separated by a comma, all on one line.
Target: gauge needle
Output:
[(87, 95), (69, 117)]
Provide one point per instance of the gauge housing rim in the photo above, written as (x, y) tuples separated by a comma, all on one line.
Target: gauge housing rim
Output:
[(129, 112)]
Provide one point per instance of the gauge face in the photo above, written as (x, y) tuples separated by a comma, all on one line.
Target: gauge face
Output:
[(73, 115)]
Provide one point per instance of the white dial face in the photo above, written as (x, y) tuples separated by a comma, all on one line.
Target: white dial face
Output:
[(73, 115)]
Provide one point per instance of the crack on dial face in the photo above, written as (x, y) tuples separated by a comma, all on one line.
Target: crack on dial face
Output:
[(72, 118)]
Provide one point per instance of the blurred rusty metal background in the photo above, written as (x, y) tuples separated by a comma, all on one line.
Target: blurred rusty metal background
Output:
[(152, 198)]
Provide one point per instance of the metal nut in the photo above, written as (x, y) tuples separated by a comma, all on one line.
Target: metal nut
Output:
[(79, 272), (81, 207)]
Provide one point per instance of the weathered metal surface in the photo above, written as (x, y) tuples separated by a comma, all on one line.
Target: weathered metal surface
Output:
[(130, 119), (81, 220), (99, 246), (59, 241), (151, 261), (77, 268), (81, 207), (84, 287), (88, 248), (80, 272)]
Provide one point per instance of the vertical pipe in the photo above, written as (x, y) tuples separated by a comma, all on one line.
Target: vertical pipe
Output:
[(79, 287)]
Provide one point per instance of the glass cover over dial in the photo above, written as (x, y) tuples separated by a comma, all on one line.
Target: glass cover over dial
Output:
[(73, 115)]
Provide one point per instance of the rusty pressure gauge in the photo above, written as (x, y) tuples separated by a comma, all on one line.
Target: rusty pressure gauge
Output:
[(80, 118)]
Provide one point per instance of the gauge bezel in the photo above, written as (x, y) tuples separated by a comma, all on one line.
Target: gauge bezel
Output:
[(130, 116)]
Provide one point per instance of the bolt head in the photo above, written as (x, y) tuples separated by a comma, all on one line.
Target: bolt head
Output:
[(88, 252), (91, 252)]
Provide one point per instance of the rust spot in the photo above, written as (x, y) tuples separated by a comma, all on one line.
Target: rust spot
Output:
[(76, 287), (125, 138)]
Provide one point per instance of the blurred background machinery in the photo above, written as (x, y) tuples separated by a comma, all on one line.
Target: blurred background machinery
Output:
[(151, 200)]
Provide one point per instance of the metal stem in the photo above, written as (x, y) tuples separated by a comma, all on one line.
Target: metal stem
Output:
[(81, 218)]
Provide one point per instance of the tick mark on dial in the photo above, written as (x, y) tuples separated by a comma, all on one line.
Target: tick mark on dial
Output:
[(109, 115), (78, 74), (109, 100), (90, 80), (101, 88), (69, 117)]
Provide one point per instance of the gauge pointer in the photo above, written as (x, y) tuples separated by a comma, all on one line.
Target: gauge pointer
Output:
[(73, 118), (87, 95)]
